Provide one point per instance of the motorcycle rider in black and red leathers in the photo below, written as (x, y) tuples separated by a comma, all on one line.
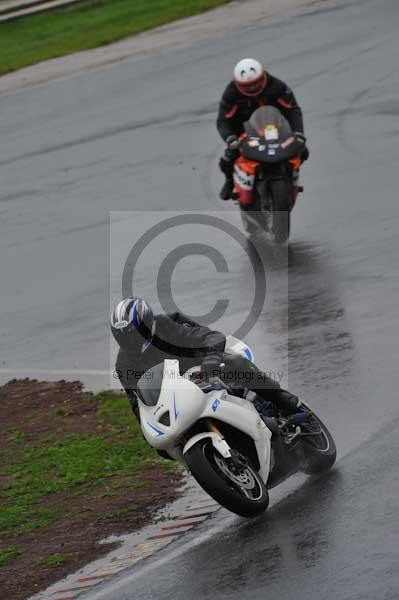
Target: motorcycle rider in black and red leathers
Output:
[(251, 88), (145, 340)]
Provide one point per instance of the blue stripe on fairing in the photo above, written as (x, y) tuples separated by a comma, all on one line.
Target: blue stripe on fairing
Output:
[(159, 432), (248, 354), (174, 406)]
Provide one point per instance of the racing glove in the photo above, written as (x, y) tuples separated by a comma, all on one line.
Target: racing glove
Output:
[(210, 367), (232, 142), (305, 152)]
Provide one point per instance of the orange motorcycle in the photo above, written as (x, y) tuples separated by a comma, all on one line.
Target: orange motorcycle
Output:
[(266, 174)]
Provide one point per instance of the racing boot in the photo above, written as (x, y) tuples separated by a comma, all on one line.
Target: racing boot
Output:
[(287, 402), (227, 189), (296, 187), (226, 165)]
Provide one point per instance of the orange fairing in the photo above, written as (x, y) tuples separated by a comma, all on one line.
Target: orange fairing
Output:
[(249, 166), (244, 179), (295, 161)]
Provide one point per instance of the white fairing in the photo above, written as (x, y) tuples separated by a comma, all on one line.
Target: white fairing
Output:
[(236, 346), (186, 404)]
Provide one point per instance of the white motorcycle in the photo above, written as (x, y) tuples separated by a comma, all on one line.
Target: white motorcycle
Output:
[(234, 453)]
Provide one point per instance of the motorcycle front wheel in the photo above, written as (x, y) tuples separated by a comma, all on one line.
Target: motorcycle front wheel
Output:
[(250, 226), (240, 490), (280, 190)]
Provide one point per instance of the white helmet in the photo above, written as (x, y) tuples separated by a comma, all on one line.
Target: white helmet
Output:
[(250, 77)]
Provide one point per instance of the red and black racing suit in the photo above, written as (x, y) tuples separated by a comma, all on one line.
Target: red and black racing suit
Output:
[(236, 108)]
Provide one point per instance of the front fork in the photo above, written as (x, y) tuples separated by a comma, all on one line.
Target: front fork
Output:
[(212, 427), (289, 170), (235, 461)]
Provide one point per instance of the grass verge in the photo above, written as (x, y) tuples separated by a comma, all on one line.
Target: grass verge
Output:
[(8, 554), (88, 24), (56, 464), (70, 461)]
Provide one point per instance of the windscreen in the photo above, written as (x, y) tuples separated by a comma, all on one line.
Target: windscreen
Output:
[(268, 117), (149, 385)]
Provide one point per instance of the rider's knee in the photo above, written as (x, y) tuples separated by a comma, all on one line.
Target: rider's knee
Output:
[(226, 162), (226, 166)]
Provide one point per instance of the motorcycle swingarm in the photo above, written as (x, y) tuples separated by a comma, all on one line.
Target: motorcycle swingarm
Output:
[(287, 460)]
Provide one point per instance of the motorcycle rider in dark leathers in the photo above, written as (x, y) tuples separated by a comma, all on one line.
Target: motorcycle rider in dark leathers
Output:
[(145, 340), (251, 88)]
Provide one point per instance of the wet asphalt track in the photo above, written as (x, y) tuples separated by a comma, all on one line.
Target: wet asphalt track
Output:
[(73, 150)]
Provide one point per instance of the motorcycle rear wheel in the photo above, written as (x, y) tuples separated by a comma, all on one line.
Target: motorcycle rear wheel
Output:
[(319, 449), (244, 493)]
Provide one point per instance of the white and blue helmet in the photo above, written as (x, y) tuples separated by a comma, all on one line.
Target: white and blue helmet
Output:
[(133, 324)]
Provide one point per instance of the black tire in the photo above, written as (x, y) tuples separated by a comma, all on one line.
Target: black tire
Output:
[(249, 226), (280, 190), (201, 460), (320, 451)]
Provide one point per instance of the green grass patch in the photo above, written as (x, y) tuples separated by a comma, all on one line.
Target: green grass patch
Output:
[(60, 412), (8, 554), (88, 24), (107, 495), (17, 436), (78, 463), (116, 514), (123, 485), (23, 517), (54, 560)]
